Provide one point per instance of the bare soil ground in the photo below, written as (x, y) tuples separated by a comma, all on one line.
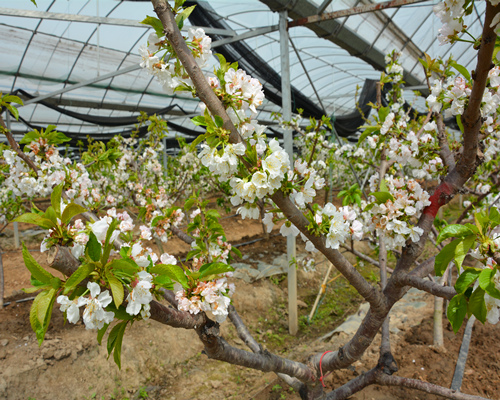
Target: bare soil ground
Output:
[(159, 362)]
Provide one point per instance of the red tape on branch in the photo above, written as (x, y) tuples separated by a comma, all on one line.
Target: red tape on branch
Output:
[(321, 369)]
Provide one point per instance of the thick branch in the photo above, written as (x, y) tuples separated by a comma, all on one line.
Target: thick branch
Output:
[(444, 146), (175, 318), (367, 291), (217, 348), (207, 95), (354, 385), (203, 89), (392, 380), (428, 286), (245, 335), (61, 259), (471, 117)]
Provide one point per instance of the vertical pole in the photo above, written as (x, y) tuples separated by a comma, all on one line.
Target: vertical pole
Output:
[(16, 227), (164, 140), (293, 323)]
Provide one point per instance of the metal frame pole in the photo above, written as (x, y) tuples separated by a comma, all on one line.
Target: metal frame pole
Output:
[(293, 322), (17, 244)]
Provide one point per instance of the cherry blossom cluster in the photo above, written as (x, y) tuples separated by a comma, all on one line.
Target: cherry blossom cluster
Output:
[(451, 13), (213, 296), (396, 217), (169, 71)]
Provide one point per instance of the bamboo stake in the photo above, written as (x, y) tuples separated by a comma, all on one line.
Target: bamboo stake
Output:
[(321, 291)]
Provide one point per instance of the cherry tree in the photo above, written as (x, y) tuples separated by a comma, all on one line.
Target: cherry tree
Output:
[(116, 279)]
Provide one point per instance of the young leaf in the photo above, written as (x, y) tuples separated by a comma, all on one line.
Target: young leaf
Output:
[(115, 340), (174, 272), (51, 215), (466, 278), (55, 199), (463, 248), (460, 68), (477, 306), (155, 23), (485, 278), (444, 257), (382, 197), (124, 266), (78, 276), (116, 289), (35, 219), (36, 270), (215, 268), (101, 332), (70, 211), (457, 309), (455, 230), (93, 247)]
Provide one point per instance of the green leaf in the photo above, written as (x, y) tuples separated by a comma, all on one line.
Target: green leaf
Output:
[(34, 2), (466, 278), (34, 289), (55, 198), (215, 268), (36, 270), (457, 309), (163, 281), (494, 217), (10, 98), (29, 137), (236, 251), (116, 289), (463, 248), (199, 120), (108, 246), (444, 257), (181, 17), (485, 278), (460, 68), (382, 197), (55, 283), (477, 305), (155, 23), (219, 121), (383, 112), (125, 266), (50, 214), (369, 130), (93, 247), (13, 110), (101, 332), (70, 211), (455, 230), (35, 219), (41, 312), (78, 276), (174, 272), (115, 340)]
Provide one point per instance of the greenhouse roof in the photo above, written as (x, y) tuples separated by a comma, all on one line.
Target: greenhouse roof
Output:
[(82, 56)]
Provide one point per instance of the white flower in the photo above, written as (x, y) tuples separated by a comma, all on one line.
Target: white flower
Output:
[(71, 307), (94, 315), (141, 293), (289, 229), (268, 222), (166, 258)]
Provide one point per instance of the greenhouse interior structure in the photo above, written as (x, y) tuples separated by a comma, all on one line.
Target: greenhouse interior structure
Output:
[(268, 199)]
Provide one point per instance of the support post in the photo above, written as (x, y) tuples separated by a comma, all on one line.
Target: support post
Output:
[(164, 140), (293, 323), (17, 244)]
